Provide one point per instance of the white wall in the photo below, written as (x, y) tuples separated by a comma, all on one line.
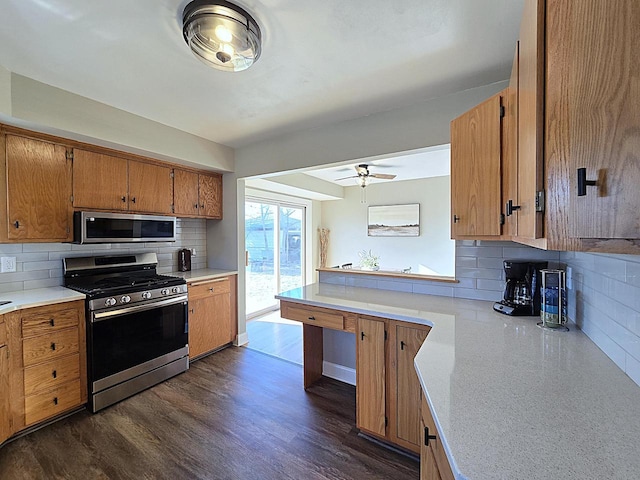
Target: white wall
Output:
[(433, 249), (5, 92), (44, 108)]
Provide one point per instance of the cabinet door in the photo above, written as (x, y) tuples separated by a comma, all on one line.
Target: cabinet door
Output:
[(475, 171), (200, 328), (428, 467), (408, 341), (38, 190), (99, 181), (210, 196), (209, 316), (530, 118), (5, 421), (595, 55), (371, 376), (150, 188), (185, 193)]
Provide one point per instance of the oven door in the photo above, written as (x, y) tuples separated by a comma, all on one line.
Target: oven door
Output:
[(129, 341)]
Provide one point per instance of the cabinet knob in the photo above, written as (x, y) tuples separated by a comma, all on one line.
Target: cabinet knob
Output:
[(55, 400), (211, 289), (583, 183), (456, 219), (402, 344), (202, 205), (362, 335), (311, 318), (195, 206), (16, 224), (133, 199), (192, 310), (510, 207), (428, 437), (54, 374), (123, 198), (52, 322), (53, 346)]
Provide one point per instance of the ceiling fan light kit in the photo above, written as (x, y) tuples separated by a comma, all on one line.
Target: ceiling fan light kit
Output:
[(221, 34)]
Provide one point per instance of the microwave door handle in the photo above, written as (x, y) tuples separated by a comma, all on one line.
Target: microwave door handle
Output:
[(100, 316)]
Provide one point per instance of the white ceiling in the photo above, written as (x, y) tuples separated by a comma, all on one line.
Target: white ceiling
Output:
[(429, 162), (322, 61)]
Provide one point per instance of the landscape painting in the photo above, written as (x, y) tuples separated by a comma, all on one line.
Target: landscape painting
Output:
[(394, 220)]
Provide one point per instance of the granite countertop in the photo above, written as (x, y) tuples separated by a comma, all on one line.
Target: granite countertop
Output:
[(510, 399), (37, 298), (203, 274)]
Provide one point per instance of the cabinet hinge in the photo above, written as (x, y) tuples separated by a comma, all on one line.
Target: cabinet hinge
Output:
[(502, 111), (502, 219), (386, 421), (540, 201), (385, 334), (70, 155), (173, 208)]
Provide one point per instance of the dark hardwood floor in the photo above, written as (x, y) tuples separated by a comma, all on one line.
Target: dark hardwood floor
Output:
[(237, 414)]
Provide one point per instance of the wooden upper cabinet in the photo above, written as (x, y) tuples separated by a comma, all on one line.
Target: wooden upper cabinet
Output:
[(371, 376), (475, 171), (99, 181), (150, 188), (531, 118), (185, 192), (594, 93), (210, 188), (38, 182)]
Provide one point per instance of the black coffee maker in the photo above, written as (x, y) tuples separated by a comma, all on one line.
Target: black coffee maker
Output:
[(522, 290)]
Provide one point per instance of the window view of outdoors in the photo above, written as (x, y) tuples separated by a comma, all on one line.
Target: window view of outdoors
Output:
[(270, 228)]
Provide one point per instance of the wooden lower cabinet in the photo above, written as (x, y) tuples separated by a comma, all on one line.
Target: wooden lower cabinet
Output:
[(212, 318), (387, 387), (434, 464), (47, 365), (371, 376)]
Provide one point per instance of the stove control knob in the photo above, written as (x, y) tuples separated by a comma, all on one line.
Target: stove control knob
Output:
[(164, 291), (125, 299), (175, 289), (110, 302), (146, 295)]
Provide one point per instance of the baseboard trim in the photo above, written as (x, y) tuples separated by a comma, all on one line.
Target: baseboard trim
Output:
[(241, 339), (339, 372)]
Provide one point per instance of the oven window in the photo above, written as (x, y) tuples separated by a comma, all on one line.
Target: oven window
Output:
[(122, 342)]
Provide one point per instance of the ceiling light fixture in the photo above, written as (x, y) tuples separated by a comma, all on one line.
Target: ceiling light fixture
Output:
[(221, 34)]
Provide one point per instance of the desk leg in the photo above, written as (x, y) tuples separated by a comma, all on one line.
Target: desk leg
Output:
[(312, 339)]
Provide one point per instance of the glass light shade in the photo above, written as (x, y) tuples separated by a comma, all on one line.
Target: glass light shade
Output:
[(222, 35)]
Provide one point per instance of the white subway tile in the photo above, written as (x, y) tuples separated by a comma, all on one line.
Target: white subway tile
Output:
[(430, 289), (47, 265), (46, 247), (395, 286), (49, 282), (10, 248), (487, 273)]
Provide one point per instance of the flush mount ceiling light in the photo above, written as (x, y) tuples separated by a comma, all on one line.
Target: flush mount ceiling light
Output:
[(221, 34)]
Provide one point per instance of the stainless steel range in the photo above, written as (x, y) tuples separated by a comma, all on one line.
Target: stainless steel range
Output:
[(136, 324)]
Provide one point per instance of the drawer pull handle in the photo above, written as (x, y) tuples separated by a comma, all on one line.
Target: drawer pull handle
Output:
[(53, 346), (133, 199), (583, 183), (402, 344), (55, 400), (52, 322), (428, 437), (362, 335), (311, 318), (54, 374), (195, 206), (123, 198), (211, 289)]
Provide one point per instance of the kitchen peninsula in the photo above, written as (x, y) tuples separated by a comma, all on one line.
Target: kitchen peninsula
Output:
[(509, 399)]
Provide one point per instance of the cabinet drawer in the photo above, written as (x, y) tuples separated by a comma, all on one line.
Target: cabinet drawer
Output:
[(47, 322), (47, 404), (209, 287), (46, 376), (47, 347), (314, 316), (3, 334)]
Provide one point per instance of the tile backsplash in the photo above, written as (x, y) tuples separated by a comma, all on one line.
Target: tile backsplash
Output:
[(40, 264)]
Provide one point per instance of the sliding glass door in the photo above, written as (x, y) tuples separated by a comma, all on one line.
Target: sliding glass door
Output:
[(274, 239)]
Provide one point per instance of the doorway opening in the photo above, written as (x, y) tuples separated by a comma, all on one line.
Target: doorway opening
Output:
[(274, 262)]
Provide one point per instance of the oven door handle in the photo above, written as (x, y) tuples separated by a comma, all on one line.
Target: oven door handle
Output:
[(100, 316)]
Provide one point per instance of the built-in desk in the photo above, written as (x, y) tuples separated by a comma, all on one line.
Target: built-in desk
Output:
[(387, 388)]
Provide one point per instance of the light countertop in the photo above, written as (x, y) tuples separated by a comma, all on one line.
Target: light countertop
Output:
[(511, 400), (203, 274), (38, 298)]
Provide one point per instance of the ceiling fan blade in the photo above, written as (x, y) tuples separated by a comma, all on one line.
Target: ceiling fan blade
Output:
[(344, 178), (384, 176)]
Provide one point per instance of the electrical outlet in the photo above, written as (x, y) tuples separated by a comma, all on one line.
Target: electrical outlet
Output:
[(7, 264)]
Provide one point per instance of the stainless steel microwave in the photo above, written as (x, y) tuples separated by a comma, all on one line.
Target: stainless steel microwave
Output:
[(98, 227)]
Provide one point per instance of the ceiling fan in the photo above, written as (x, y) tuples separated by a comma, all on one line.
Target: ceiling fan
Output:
[(363, 175)]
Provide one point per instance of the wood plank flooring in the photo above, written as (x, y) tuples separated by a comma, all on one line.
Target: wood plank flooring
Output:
[(276, 336), (237, 414)]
